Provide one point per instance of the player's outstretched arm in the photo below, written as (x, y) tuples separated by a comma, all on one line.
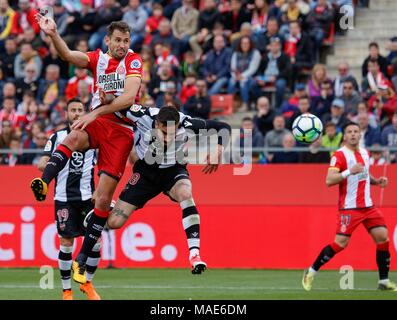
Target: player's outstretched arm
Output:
[(221, 128), (49, 27), (123, 101)]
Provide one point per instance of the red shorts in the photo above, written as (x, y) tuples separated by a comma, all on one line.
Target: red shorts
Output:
[(114, 143), (349, 220)]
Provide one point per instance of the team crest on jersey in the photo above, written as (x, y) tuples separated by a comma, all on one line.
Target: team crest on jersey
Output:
[(343, 228), (134, 179), (120, 70), (135, 64), (135, 108), (48, 146)]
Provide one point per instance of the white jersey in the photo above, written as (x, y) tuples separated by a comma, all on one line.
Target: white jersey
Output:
[(75, 182), (354, 192)]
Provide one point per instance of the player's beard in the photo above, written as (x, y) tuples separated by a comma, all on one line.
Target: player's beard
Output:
[(119, 54)]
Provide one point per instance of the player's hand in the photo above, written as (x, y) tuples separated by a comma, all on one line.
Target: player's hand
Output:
[(84, 121), (46, 24), (357, 168), (213, 161), (383, 182)]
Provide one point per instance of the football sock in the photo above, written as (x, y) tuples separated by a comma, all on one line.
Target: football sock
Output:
[(93, 261), (65, 265), (56, 163), (325, 255), (191, 225), (93, 233), (383, 260)]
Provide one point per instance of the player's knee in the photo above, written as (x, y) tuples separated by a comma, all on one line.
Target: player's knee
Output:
[(66, 242), (383, 238), (343, 243), (184, 194)]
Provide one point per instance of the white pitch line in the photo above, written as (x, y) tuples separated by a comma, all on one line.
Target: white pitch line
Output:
[(218, 288)]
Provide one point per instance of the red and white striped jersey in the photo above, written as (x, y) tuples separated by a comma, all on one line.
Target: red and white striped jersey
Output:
[(354, 191), (110, 74)]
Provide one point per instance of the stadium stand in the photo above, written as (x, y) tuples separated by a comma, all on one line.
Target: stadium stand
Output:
[(35, 82)]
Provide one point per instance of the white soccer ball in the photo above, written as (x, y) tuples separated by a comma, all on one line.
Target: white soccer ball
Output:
[(307, 128)]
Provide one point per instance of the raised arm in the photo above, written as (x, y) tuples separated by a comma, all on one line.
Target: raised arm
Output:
[(49, 27)]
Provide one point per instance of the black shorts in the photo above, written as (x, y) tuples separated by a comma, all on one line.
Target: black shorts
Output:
[(148, 181), (69, 217)]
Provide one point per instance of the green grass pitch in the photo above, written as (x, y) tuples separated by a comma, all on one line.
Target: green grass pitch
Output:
[(216, 284)]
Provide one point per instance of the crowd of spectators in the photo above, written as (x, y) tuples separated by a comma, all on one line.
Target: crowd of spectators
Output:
[(192, 50)]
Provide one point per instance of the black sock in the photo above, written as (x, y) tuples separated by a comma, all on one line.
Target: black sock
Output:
[(93, 233), (325, 255), (56, 163), (383, 262), (191, 224)]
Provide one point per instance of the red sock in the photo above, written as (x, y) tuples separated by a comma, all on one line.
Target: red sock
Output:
[(383, 246), (100, 213), (336, 247)]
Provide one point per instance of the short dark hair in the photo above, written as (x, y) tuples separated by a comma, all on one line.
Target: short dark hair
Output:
[(74, 100), (118, 25), (168, 114), (23, 42), (247, 119), (373, 60), (304, 97), (373, 44), (348, 124)]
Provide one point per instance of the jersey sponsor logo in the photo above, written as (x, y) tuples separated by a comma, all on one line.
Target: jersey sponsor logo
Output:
[(111, 82), (187, 123), (135, 108), (120, 70), (333, 161), (48, 146), (363, 175), (76, 162), (135, 64), (134, 179)]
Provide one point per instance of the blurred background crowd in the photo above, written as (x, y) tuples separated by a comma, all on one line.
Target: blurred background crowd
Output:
[(267, 55)]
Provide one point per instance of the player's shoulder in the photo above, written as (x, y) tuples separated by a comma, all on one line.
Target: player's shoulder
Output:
[(96, 53), (365, 152), (133, 57), (59, 132)]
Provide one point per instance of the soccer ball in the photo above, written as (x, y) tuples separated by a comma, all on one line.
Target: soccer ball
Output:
[(307, 128)]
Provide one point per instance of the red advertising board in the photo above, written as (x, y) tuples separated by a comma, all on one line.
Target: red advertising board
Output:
[(276, 217)]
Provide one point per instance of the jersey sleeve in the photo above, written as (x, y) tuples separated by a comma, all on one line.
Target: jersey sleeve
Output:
[(50, 145), (93, 57), (338, 162), (136, 112), (197, 124), (133, 64)]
